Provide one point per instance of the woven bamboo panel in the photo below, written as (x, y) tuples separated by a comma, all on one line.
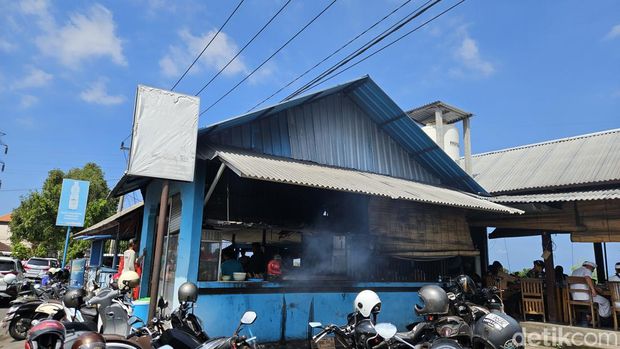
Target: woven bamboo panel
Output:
[(408, 228)]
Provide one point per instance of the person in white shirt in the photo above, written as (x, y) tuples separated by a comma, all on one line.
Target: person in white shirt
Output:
[(616, 278), (604, 308), (129, 257)]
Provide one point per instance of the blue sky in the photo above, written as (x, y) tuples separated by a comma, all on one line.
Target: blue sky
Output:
[(529, 70)]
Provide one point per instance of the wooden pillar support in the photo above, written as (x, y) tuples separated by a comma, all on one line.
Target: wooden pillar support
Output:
[(547, 247), (600, 262)]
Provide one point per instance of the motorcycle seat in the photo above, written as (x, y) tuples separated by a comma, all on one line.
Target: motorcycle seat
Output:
[(90, 312), (80, 326)]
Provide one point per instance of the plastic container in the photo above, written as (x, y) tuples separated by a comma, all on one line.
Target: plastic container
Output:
[(141, 310)]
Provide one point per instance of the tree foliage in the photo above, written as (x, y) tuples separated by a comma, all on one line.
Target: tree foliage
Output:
[(34, 220)]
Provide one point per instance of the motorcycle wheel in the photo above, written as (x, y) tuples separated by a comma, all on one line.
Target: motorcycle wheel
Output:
[(19, 327)]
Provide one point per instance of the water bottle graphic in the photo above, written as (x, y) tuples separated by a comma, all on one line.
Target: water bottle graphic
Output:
[(74, 198)]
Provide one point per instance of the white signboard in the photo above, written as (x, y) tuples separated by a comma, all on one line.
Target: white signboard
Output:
[(165, 129)]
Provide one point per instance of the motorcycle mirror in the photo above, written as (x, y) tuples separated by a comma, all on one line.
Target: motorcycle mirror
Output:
[(248, 318), (386, 330), (315, 324), (451, 296), (162, 303)]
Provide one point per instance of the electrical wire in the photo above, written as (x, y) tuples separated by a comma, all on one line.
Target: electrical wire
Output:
[(377, 39), (244, 47), (391, 43), (208, 44), (270, 57), (332, 54)]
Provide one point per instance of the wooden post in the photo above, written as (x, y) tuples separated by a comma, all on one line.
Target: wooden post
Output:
[(547, 245), (600, 262), (467, 145), (439, 128), (159, 242)]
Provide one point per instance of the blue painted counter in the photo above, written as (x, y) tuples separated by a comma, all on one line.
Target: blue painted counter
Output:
[(284, 309)]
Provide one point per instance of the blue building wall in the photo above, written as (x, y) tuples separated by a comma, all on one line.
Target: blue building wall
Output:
[(288, 313), (334, 131), (192, 196)]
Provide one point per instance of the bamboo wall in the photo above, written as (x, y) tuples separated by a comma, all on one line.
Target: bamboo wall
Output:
[(409, 229)]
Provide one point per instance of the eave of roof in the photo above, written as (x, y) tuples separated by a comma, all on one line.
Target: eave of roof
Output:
[(252, 165), (611, 194), (426, 113)]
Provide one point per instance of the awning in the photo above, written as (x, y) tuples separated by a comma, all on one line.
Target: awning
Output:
[(125, 223), (252, 165), (611, 194)]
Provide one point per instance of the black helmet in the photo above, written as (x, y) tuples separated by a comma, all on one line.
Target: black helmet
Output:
[(74, 298), (498, 331), (89, 340), (445, 343), (47, 334), (188, 292), (433, 301), (466, 284)]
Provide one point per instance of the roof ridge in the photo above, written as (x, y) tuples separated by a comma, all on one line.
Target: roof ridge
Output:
[(559, 140)]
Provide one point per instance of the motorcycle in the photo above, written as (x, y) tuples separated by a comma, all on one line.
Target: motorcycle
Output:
[(19, 317)]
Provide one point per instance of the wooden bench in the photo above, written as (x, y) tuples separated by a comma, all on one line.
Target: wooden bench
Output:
[(614, 289)]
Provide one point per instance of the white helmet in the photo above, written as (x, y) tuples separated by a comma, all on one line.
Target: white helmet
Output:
[(128, 280), (367, 302), (10, 278)]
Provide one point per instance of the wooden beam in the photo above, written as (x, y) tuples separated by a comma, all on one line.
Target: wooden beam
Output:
[(547, 246), (600, 262)]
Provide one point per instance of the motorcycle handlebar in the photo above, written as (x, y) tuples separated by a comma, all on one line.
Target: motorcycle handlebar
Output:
[(106, 297)]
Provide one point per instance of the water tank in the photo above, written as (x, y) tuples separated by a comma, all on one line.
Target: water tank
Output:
[(450, 139)]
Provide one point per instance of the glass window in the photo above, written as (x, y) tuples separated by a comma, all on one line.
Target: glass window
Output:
[(7, 266), (38, 262), (211, 246)]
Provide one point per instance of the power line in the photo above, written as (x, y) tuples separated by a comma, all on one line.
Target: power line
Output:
[(270, 57), (413, 15), (244, 47), (332, 54), (391, 43), (207, 46)]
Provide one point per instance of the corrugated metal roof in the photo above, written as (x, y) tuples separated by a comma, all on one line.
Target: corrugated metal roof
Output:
[(284, 170), (388, 115), (610, 194), (426, 113), (577, 161), (109, 222)]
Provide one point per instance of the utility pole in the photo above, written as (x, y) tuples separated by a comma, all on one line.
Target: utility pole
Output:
[(4, 148)]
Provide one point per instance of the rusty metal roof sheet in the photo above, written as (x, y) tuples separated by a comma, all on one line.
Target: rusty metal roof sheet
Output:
[(584, 160), (610, 194), (252, 165)]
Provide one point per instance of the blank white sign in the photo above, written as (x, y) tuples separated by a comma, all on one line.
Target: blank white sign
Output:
[(165, 129)]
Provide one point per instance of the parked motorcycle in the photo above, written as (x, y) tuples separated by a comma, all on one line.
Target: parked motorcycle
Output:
[(19, 317)]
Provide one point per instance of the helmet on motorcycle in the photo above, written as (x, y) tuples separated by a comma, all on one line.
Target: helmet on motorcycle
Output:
[(466, 284), (366, 303), (47, 334), (74, 298), (433, 301), (10, 278), (188, 292), (498, 331), (128, 280), (445, 343), (89, 340)]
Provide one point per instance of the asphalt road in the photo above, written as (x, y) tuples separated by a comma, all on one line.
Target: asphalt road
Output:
[(6, 342)]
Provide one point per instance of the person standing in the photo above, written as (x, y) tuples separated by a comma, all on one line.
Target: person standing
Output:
[(129, 257), (585, 271)]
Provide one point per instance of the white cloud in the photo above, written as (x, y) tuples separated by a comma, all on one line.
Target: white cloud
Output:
[(221, 50), (28, 101), (84, 36), (6, 46), (35, 78), (97, 93), (468, 55), (613, 33), (25, 121)]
